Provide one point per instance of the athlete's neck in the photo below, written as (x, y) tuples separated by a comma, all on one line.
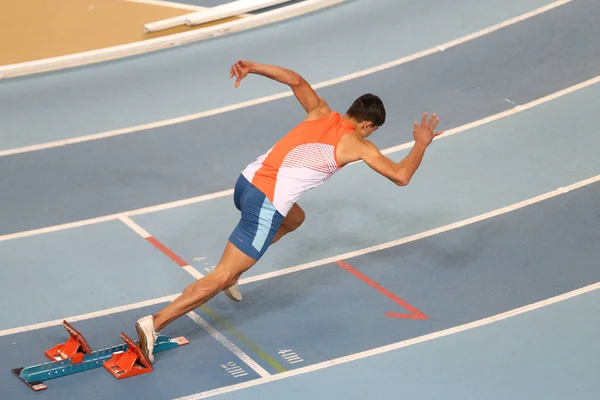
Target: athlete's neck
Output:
[(350, 120)]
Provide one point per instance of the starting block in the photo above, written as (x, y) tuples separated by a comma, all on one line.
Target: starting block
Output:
[(75, 348), (131, 363), (75, 355)]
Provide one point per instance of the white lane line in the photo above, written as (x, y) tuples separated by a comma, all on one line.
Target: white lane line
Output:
[(395, 346), (229, 192), (138, 229), (112, 217), (282, 95), (193, 271), (145, 234), (491, 118), (95, 314), (422, 235), (229, 345), (199, 320), (178, 203), (286, 271)]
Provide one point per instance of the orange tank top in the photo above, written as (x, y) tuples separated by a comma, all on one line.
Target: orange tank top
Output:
[(302, 160)]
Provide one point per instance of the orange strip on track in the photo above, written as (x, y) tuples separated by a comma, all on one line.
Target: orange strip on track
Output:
[(414, 313), (167, 252)]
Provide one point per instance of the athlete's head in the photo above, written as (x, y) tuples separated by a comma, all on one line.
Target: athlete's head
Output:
[(368, 113)]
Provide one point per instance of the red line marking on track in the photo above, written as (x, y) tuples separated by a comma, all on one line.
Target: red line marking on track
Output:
[(414, 313), (168, 252)]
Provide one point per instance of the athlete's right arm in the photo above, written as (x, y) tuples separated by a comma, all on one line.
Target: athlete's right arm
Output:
[(308, 98)]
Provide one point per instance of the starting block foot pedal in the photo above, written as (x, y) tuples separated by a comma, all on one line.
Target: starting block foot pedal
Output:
[(129, 363), (75, 348)]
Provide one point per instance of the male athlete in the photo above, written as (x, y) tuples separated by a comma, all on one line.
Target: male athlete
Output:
[(267, 189)]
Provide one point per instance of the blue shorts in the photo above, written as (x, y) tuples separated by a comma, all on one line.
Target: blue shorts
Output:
[(259, 222)]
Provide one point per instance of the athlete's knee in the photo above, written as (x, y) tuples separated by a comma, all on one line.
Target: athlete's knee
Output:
[(225, 277), (203, 287), (214, 282), (294, 220), (229, 280)]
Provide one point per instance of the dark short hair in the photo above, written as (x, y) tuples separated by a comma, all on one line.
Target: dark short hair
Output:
[(368, 107)]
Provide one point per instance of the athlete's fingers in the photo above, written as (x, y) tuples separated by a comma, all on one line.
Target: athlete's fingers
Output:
[(238, 73), (424, 120), (438, 134), (241, 75), (431, 120), (435, 122)]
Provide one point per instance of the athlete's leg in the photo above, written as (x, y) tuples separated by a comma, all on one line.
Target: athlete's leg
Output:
[(250, 239), (291, 222), (233, 263)]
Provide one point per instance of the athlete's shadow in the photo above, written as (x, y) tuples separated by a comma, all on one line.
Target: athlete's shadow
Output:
[(280, 295), (459, 249), (279, 299)]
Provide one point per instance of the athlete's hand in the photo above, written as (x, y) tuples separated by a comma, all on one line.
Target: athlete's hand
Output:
[(240, 69), (423, 133)]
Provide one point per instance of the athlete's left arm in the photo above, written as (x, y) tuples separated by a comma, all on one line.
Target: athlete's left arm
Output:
[(305, 94), (353, 148)]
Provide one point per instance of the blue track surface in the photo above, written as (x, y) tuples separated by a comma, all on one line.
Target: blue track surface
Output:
[(96, 265), (319, 314), (182, 81), (174, 162), (471, 365)]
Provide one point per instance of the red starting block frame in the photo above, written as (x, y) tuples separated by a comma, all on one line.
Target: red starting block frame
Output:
[(74, 349), (131, 363)]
